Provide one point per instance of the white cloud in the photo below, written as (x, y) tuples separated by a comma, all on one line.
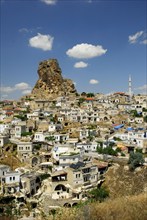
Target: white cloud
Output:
[(49, 2), (17, 87), (134, 38), (84, 50), (25, 92), (142, 88), (93, 81), (23, 30), (144, 41), (22, 86), (80, 64), (41, 41), (7, 89), (29, 30), (14, 92)]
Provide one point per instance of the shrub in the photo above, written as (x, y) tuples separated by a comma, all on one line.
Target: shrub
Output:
[(26, 134)]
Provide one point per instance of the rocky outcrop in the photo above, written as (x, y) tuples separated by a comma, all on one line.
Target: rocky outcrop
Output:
[(51, 82)]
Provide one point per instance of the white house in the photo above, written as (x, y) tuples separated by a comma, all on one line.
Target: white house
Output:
[(88, 147), (59, 138), (4, 139), (52, 128), (137, 137), (3, 169), (134, 137), (62, 149), (40, 136), (33, 116), (65, 160), (4, 128), (84, 133), (10, 182)]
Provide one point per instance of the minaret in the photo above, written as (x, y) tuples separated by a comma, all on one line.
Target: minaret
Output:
[(130, 87)]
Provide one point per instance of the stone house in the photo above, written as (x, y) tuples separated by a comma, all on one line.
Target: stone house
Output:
[(73, 181), (139, 120), (19, 129), (30, 183), (136, 107), (141, 99), (24, 151), (61, 118)]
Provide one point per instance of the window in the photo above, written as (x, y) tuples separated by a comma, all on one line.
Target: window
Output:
[(10, 178), (13, 177)]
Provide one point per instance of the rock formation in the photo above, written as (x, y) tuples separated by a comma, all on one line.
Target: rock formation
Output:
[(50, 82)]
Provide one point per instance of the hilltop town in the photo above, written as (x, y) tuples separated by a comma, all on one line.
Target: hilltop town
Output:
[(57, 145)]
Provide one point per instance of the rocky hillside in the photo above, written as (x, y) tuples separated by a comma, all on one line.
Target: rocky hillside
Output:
[(50, 82), (122, 182), (127, 198), (125, 208)]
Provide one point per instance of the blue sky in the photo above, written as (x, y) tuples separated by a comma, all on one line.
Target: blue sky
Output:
[(97, 44)]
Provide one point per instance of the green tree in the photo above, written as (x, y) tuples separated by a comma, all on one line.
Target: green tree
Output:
[(99, 194), (145, 118), (135, 160), (26, 133), (50, 138), (134, 113), (90, 94), (144, 109), (83, 94)]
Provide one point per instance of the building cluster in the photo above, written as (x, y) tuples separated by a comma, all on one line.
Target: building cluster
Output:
[(54, 142)]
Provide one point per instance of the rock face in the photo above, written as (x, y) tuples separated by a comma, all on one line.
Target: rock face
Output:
[(51, 82)]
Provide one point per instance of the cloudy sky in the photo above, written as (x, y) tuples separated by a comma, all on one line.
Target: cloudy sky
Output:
[(97, 43)]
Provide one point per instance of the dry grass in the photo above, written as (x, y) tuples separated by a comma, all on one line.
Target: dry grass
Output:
[(11, 160), (122, 182), (128, 198), (125, 208)]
